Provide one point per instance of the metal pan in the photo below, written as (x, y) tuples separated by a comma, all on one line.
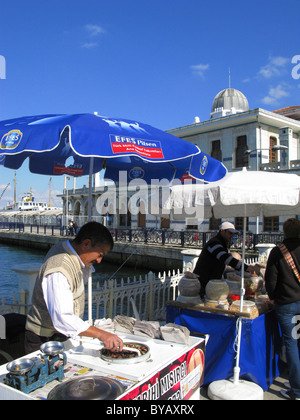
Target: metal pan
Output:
[(88, 388), (52, 348), (116, 357), (20, 366)]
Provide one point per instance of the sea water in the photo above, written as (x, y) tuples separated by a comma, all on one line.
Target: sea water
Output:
[(12, 256)]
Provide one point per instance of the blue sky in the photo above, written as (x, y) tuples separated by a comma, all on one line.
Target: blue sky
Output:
[(157, 61)]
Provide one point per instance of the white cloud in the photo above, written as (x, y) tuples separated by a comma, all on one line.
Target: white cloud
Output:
[(200, 69), (90, 45), (94, 30), (92, 33), (276, 93), (275, 67), (5, 186)]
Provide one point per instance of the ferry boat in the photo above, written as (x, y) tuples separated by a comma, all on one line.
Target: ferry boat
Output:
[(28, 203)]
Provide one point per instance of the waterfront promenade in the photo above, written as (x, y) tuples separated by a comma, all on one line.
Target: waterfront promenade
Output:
[(152, 257), (153, 249)]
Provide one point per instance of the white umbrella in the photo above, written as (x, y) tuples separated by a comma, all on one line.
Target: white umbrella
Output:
[(267, 193), (239, 194)]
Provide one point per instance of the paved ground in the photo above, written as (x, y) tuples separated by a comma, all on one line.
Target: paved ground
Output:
[(273, 393), (278, 384)]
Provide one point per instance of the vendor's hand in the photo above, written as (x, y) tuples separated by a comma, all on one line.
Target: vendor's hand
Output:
[(111, 341)]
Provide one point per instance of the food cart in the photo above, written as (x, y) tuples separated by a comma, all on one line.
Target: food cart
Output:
[(162, 370), (261, 342)]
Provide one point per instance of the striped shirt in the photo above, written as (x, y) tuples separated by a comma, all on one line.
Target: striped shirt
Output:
[(213, 260)]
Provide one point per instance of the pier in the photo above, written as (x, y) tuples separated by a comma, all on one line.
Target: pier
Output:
[(153, 249), (152, 257)]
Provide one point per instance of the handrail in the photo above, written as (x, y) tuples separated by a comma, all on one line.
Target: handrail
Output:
[(164, 237)]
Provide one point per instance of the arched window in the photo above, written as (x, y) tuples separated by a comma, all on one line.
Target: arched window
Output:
[(216, 151), (239, 224), (271, 224), (273, 154), (241, 159)]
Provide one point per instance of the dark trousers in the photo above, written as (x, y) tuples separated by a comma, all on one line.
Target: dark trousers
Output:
[(33, 341)]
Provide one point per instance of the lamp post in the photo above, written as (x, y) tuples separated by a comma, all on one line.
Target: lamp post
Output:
[(248, 152), (275, 147)]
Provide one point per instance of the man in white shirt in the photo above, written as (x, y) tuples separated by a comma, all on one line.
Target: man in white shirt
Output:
[(58, 297)]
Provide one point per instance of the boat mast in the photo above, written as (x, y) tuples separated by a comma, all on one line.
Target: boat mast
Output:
[(15, 188), (50, 191)]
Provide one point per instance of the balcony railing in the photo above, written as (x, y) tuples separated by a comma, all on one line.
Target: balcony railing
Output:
[(294, 166)]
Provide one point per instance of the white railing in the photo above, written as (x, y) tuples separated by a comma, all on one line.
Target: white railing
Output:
[(142, 298), (251, 261), (294, 165), (19, 304)]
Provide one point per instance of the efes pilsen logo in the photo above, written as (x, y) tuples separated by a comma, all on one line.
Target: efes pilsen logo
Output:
[(204, 165), (11, 140), (136, 173)]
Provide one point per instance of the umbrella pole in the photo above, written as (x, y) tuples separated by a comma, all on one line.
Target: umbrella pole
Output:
[(236, 389), (90, 291), (90, 196), (236, 370)]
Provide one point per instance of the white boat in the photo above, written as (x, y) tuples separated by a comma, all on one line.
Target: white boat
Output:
[(28, 203), (28, 206)]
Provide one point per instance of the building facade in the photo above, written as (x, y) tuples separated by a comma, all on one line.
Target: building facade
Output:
[(237, 136), (255, 139)]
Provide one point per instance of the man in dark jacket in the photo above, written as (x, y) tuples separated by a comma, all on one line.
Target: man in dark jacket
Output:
[(283, 288), (215, 257)]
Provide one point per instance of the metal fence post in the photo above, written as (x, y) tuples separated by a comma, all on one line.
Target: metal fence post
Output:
[(182, 238), (150, 297), (23, 300), (110, 298), (163, 237)]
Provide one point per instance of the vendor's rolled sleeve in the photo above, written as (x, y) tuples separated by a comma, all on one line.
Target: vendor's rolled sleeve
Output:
[(59, 301)]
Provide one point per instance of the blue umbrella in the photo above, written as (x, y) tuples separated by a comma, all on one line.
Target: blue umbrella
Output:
[(65, 144), (93, 143)]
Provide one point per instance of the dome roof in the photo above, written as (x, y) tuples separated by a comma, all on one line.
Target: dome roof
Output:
[(230, 98)]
